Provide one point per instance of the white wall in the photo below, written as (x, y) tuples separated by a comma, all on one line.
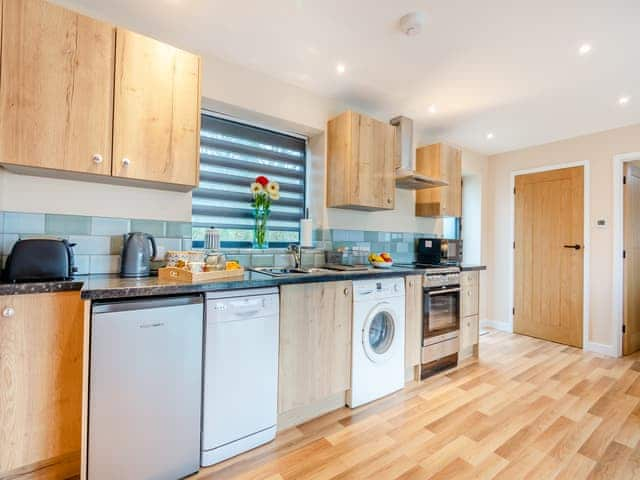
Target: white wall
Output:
[(243, 93), (598, 150)]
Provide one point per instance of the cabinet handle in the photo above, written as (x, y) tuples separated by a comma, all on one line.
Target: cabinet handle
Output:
[(97, 158), (126, 162), (346, 292), (8, 312), (411, 283)]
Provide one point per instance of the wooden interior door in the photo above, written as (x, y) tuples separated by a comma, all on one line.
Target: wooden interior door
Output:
[(549, 249), (631, 336), (56, 88), (156, 126)]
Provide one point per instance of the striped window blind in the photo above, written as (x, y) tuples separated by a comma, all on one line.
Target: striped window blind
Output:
[(232, 155)]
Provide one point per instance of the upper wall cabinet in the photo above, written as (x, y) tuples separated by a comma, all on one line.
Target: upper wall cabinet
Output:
[(156, 133), (78, 96), (360, 163), (443, 162), (56, 88)]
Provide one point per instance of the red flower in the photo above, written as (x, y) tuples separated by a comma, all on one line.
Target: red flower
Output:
[(262, 180)]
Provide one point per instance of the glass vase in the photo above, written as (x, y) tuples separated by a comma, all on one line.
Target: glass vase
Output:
[(260, 231)]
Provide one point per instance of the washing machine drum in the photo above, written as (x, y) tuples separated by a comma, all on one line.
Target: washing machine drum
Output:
[(378, 334)]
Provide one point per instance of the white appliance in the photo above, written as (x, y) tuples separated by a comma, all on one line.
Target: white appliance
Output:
[(377, 354), (145, 384), (240, 397)]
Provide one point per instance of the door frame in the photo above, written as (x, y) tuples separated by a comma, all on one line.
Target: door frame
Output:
[(586, 345), (618, 247)]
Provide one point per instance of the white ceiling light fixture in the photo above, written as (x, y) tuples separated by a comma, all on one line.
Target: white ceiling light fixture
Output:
[(340, 68), (433, 109), (490, 136), (584, 49), (624, 100), (411, 24)]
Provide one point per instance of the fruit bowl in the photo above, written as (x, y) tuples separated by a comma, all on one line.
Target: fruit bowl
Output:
[(382, 264)]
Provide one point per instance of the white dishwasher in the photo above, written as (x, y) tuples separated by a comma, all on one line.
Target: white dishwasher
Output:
[(240, 395)]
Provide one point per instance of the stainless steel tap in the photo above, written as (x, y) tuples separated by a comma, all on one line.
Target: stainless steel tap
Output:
[(294, 250)]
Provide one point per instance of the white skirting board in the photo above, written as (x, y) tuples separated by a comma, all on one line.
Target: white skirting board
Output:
[(502, 326)]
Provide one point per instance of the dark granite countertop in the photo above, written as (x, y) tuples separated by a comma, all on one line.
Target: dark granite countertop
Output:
[(103, 287), (40, 287), (472, 268)]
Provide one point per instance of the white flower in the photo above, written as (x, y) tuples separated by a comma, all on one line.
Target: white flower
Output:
[(256, 188), (273, 188)]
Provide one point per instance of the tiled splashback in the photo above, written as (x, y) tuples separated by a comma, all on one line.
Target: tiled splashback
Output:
[(99, 240)]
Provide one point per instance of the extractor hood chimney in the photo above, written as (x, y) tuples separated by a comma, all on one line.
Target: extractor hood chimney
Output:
[(406, 176)]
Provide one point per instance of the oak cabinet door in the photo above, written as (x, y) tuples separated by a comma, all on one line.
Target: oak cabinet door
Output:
[(470, 292), (156, 134), (315, 342), (56, 88), (413, 322), (469, 335), (442, 162), (360, 163), (41, 338)]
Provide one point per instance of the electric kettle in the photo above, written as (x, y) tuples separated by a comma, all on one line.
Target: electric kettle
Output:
[(137, 251)]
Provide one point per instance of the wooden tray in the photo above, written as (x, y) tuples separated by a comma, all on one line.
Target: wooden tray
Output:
[(181, 275)]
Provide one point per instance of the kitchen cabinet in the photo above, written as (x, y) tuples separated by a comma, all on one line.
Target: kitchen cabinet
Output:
[(442, 162), (413, 322), (156, 126), (78, 97), (56, 88), (360, 163), (469, 313), (315, 345), (41, 345)]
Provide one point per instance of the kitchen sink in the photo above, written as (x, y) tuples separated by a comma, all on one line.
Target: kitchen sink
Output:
[(283, 271)]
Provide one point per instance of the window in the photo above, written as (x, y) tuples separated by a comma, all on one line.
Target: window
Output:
[(232, 155)]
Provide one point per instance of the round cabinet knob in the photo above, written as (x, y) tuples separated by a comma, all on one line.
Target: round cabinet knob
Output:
[(126, 162), (346, 292), (8, 312), (97, 158), (396, 288), (389, 201), (411, 283)]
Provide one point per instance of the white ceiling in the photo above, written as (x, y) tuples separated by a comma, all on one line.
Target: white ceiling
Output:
[(509, 67)]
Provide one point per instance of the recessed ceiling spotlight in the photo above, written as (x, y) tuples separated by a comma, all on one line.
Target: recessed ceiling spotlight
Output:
[(340, 68), (624, 100), (584, 49), (433, 109), (489, 136)]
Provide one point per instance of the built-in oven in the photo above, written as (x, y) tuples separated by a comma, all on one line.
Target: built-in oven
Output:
[(441, 320)]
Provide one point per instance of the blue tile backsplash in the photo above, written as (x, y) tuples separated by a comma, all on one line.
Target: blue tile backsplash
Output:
[(99, 240)]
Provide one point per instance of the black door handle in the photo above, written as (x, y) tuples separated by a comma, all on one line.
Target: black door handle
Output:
[(575, 247)]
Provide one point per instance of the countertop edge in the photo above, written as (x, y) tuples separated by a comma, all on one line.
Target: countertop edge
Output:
[(96, 293), (473, 268)]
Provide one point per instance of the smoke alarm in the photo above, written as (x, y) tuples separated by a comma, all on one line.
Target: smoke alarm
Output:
[(411, 24)]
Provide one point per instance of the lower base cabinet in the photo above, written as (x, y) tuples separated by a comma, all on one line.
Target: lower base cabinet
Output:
[(413, 325), (41, 339), (470, 309), (315, 349)]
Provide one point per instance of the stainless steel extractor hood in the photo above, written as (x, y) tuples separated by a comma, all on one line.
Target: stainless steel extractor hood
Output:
[(406, 176)]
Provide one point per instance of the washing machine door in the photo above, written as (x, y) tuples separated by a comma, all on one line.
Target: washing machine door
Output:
[(379, 332)]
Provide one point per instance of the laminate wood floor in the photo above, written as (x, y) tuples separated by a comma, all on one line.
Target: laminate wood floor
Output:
[(526, 409)]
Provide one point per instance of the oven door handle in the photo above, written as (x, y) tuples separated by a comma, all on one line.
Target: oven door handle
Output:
[(446, 290)]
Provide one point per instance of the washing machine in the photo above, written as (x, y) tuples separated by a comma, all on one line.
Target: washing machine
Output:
[(377, 353)]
